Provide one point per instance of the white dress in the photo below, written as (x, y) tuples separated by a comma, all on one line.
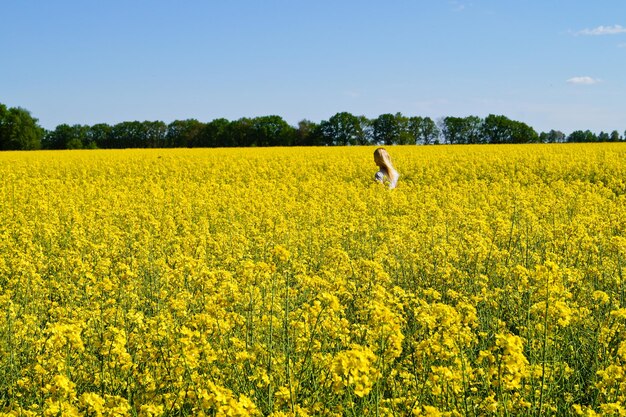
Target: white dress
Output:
[(380, 177)]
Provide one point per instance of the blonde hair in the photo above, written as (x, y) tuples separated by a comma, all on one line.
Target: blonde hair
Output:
[(383, 160)]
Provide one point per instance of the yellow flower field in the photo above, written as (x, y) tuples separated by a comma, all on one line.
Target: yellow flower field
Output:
[(284, 282)]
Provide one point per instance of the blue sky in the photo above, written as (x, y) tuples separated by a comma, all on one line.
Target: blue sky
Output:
[(551, 64)]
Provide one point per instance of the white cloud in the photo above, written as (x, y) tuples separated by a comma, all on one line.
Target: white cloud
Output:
[(603, 30), (583, 80)]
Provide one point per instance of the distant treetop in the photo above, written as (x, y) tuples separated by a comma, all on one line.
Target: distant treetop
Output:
[(19, 130)]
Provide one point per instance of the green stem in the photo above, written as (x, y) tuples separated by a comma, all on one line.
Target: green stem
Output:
[(545, 346)]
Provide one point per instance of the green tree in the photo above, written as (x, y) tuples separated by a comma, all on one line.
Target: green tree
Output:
[(461, 130), (614, 136), (154, 134), (404, 134), (216, 133), (451, 129), (271, 131), (553, 136), (128, 135), (342, 129), (240, 133), (473, 129), (603, 137), (365, 134), (307, 134), (19, 130), (501, 129), (497, 129), (422, 130), (386, 129), (183, 133), (65, 136), (582, 136), (100, 135), (576, 136)]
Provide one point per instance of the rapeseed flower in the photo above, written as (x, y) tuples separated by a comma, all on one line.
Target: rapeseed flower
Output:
[(200, 282)]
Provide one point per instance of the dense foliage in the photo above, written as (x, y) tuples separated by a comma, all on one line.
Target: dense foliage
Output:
[(340, 130), (18, 130), (285, 281)]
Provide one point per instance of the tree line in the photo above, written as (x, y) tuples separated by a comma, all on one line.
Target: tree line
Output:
[(19, 130)]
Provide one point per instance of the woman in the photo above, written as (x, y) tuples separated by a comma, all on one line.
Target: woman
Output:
[(387, 173)]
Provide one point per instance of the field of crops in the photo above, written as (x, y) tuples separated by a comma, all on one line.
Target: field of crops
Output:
[(285, 281)]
